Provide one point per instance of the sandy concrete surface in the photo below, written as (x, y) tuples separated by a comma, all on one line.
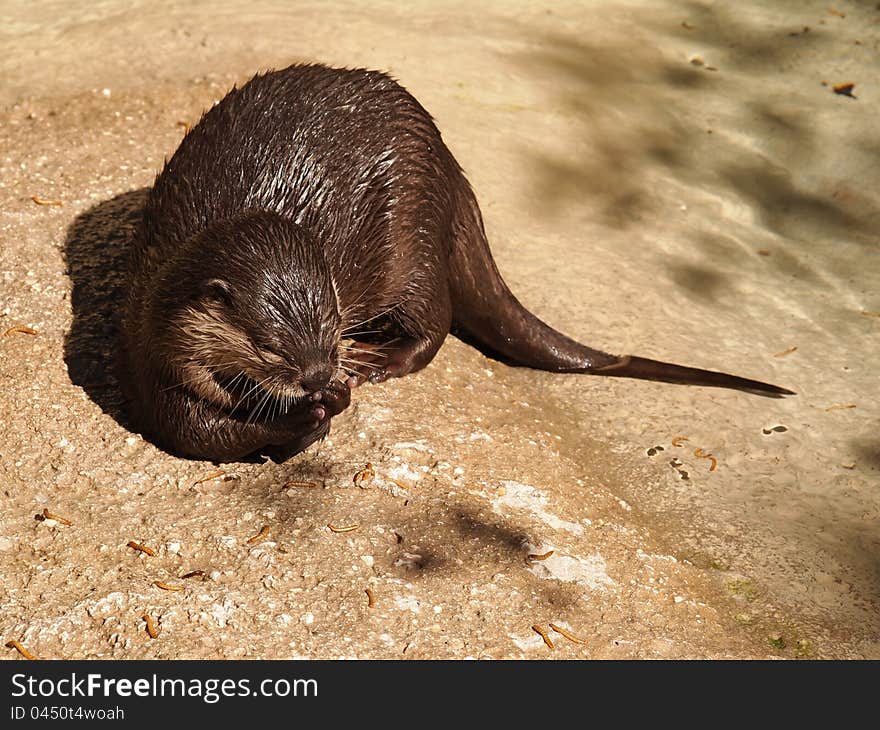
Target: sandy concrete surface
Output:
[(672, 179)]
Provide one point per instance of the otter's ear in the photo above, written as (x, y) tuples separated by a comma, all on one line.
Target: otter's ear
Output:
[(217, 290)]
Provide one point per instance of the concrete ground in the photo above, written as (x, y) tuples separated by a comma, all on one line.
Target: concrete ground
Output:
[(673, 179)]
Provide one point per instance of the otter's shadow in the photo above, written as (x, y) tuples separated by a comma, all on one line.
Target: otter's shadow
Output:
[(96, 252)]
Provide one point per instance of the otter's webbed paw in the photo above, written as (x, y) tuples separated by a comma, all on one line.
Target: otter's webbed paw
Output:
[(309, 422), (331, 401), (317, 409)]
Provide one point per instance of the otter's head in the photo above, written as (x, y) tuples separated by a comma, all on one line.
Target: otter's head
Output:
[(254, 307)]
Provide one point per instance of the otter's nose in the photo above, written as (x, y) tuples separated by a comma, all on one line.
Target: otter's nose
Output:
[(316, 378)]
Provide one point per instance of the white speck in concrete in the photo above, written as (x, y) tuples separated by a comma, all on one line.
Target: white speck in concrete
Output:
[(368, 560), (653, 556), (408, 603), (404, 473), (223, 612), (307, 618), (514, 495), (413, 446), (6, 543), (588, 572), (529, 643), (107, 605)]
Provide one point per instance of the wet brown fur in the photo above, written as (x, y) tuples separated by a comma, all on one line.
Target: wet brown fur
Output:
[(311, 204)]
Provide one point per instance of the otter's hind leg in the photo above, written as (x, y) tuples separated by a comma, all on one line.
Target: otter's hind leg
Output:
[(423, 322)]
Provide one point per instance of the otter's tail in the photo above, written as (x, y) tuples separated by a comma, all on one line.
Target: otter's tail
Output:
[(487, 315)]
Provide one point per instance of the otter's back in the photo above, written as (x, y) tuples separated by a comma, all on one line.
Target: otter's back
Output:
[(335, 150)]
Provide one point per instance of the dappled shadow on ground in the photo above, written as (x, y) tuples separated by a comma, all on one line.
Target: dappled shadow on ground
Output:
[(643, 115), (867, 450), (96, 256), (631, 109)]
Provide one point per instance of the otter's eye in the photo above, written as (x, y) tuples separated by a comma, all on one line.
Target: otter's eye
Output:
[(219, 291), (273, 351)]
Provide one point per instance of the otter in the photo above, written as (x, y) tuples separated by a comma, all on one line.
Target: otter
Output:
[(313, 232)]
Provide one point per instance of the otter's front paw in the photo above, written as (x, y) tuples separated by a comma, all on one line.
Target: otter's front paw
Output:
[(331, 401)]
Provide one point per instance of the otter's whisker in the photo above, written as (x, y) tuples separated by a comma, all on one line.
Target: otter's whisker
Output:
[(347, 334), (236, 383), (375, 352), (199, 376), (358, 363), (376, 316), (254, 414), (255, 386), (351, 307)]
